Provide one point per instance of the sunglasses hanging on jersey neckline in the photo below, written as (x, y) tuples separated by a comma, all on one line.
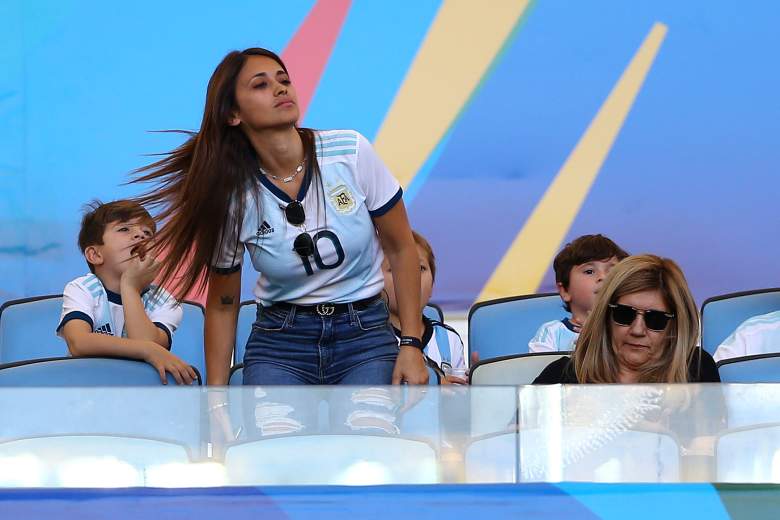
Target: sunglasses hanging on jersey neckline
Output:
[(295, 215), (625, 315)]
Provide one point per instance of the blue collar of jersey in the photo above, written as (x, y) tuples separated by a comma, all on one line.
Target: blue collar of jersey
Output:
[(569, 325), (265, 181), (427, 332), (116, 298)]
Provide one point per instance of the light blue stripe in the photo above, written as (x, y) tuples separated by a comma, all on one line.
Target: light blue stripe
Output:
[(331, 153), (770, 318), (334, 144), (443, 344), (147, 301), (331, 137), (668, 501), (154, 303)]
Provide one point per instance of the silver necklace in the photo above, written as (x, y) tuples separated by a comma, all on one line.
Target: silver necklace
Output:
[(289, 178)]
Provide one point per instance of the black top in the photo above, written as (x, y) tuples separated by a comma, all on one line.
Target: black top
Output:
[(561, 371)]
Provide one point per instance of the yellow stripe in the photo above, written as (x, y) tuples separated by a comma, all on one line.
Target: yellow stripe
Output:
[(458, 49), (528, 258)]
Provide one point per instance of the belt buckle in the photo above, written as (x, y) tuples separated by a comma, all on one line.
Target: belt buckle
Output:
[(325, 309)]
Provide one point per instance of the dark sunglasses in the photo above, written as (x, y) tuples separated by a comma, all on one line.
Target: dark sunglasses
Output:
[(295, 215), (625, 315)]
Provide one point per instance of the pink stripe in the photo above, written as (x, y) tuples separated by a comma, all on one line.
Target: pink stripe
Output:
[(308, 52)]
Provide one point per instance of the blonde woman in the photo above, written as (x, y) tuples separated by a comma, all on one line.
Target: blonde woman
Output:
[(642, 329)]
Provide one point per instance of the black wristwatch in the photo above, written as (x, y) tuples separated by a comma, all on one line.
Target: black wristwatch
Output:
[(411, 341)]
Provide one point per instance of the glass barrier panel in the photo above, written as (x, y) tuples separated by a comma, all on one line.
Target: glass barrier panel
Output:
[(189, 437)]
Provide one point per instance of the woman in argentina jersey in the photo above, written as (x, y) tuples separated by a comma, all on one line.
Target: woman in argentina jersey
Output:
[(315, 210)]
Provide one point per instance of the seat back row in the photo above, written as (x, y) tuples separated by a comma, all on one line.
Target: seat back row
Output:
[(497, 328)]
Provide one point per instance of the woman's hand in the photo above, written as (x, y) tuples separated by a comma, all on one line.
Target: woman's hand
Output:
[(220, 425), (410, 367)]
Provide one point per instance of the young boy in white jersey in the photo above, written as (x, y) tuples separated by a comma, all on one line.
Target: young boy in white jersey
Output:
[(115, 310), (756, 335), (579, 267), (441, 344)]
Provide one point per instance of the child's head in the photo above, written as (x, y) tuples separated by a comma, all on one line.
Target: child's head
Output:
[(580, 268), (427, 274), (110, 233)]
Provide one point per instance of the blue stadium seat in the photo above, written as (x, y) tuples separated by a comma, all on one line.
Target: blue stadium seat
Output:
[(236, 375), (520, 369), (332, 459), (188, 338), (247, 314), (748, 454), (125, 461), (505, 326), (81, 371), (761, 368), (721, 315), (28, 329), (434, 312)]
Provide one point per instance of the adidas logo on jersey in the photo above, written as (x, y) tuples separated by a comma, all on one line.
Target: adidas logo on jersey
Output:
[(264, 229), (105, 329)]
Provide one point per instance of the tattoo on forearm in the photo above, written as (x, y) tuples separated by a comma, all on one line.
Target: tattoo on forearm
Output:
[(227, 300)]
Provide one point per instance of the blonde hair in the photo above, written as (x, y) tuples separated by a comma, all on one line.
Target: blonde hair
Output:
[(595, 359)]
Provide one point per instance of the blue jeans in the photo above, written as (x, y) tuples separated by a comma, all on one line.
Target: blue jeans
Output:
[(290, 347)]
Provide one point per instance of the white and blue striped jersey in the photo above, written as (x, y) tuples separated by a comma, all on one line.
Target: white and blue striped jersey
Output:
[(86, 299), (554, 336), (347, 259), (756, 335), (441, 343)]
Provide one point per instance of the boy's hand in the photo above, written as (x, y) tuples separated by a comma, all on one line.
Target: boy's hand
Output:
[(140, 272), (451, 379), (164, 361)]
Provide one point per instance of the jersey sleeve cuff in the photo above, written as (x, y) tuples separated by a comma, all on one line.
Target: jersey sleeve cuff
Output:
[(167, 332), (226, 270), (387, 206), (75, 315)]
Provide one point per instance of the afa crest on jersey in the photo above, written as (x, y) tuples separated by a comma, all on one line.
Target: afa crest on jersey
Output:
[(342, 199)]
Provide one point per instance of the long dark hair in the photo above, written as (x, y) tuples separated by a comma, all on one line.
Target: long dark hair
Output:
[(198, 189)]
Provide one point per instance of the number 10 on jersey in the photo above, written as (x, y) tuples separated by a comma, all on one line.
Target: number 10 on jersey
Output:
[(323, 235)]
